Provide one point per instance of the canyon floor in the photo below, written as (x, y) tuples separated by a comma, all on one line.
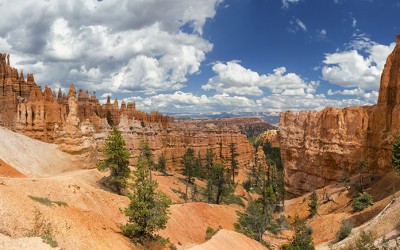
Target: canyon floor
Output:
[(44, 192)]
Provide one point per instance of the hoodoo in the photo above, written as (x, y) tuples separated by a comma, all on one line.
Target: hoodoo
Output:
[(320, 147)]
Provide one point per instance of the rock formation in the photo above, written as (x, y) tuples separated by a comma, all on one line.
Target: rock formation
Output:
[(249, 126), (320, 147), (174, 140), (78, 123)]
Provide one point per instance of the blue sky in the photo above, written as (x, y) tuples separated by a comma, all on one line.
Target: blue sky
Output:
[(209, 56)]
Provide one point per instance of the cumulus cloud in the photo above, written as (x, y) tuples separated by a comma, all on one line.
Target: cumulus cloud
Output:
[(117, 45), (371, 96), (350, 68), (233, 78)]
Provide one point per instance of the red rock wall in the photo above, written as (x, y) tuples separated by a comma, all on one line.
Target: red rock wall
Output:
[(320, 147)]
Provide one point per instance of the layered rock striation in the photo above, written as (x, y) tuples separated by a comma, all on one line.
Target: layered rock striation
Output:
[(79, 124), (248, 126), (321, 147)]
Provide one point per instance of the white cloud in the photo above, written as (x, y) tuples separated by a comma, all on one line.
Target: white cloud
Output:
[(285, 3), (301, 25), (354, 22), (351, 69), (323, 33), (233, 78), (72, 41), (281, 82)]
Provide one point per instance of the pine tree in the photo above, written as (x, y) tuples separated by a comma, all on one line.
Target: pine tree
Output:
[(254, 222), (209, 166), (313, 205), (220, 180), (145, 152), (234, 163), (162, 164), (188, 164), (302, 239), (116, 159), (396, 153), (148, 208)]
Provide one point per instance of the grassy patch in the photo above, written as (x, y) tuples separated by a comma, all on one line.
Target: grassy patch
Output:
[(42, 229), (47, 202)]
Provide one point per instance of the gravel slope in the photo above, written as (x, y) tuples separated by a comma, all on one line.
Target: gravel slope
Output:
[(32, 157)]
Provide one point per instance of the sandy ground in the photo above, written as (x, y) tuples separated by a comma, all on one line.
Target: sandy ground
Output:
[(188, 223), (27, 243), (327, 222), (8, 171), (32, 157), (226, 239), (89, 216)]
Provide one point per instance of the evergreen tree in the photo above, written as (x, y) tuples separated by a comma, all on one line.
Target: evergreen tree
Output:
[(162, 164), (116, 159), (148, 208), (302, 239), (254, 222), (234, 163), (198, 167), (209, 165), (188, 164), (145, 152), (396, 153), (221, 182), (313, 205)]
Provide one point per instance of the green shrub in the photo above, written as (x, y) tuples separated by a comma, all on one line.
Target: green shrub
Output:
[(365, 241), (42, 229), (345, 230), (302, 240), (47, 202), (210, 232), (362, 202), (313, 205)]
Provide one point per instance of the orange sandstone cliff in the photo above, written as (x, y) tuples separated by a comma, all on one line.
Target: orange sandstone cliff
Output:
[(79, 124), (321, 147)]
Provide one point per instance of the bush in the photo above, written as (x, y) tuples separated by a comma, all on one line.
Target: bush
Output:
[(302, 239), (365, 241), (345, 230), (47, 202), (362, 202), (313, 205), (210, 232), (396, 153)]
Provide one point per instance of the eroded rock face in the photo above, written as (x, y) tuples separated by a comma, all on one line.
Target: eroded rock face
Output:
[(174, 140), (79, 124), (248, 126), (320, 147)]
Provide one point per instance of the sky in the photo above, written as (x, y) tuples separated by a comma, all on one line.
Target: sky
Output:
[(206, 56)]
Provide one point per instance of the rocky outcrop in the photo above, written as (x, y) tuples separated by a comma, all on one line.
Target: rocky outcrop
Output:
[(248, 126), (174, 140), (79, 124), (320, 147)]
